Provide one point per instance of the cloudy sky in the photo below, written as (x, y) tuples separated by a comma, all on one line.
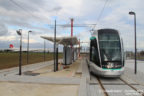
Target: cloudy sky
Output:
[(37, 15)]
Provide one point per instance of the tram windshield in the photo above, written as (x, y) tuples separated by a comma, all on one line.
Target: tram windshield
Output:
[(110, 47)]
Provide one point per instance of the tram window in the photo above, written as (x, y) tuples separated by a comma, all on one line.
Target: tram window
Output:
[(94, 54), (110, 46)]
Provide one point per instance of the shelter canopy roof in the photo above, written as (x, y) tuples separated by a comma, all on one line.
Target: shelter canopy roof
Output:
[(63, 40)]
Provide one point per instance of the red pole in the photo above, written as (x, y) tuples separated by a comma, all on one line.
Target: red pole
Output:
[(72, 27), (72, 36)]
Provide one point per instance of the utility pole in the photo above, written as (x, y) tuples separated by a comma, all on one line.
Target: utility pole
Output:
[(56, 57), (79, 47), (55, 47), (44, 49), (28, 48)]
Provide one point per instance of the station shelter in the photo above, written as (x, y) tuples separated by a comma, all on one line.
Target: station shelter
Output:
[(70, 53)]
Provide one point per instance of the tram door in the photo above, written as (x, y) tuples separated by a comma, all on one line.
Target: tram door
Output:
[(94, 53)]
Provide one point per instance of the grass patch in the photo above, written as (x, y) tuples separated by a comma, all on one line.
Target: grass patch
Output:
[(9, 59)]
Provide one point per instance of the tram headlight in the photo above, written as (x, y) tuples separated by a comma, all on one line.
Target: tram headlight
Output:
[(110, 65)]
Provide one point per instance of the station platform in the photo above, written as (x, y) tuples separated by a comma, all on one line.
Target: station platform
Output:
[(40, 80), (74, 80)]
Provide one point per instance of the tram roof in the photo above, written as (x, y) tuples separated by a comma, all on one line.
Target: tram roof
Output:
[(63, 40)]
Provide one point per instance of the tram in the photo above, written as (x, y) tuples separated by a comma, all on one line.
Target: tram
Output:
[(106, 53)]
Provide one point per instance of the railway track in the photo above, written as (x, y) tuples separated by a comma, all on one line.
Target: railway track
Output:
[(102, 87), (113, 87), (134, 88)]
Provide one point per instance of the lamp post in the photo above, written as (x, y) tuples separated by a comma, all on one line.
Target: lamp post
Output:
[(133, 13), (28, 48), (19, 32)]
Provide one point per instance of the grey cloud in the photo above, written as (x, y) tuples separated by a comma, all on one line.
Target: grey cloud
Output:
[(16, 22), (4, 45), (24, 24), (27, 5), (23, 9), (56, 9), (3, 30), (14, 16)]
